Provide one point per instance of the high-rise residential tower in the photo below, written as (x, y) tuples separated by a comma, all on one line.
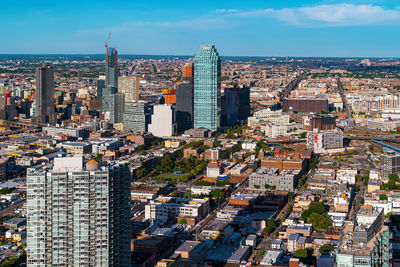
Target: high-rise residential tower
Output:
[(111, 84), (45, 109), (184, 99), (207, 88), (129, 86), (79, 216), (163, 122)]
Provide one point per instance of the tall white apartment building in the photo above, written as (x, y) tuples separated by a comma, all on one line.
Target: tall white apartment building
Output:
[(79, 215)]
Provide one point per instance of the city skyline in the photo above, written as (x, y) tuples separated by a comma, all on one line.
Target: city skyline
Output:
[(316, 29)]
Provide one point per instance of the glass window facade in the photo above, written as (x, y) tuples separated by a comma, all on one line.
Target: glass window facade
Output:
[(207, 88)]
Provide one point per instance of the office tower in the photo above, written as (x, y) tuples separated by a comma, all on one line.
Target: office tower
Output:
[(207, 88), (117, 107), (184, 106), (129, 86), (79, 216), (111, 83), (136, 116), (101, 84), (235, 105), (244, 104), (45, 110), (230, 106), (163, 120), (184, 99)]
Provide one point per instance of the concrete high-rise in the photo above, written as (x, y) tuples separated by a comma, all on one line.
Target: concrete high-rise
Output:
[(45, 108), (184, 99), (129, 86), (207, 88), (79, 216), (111, 83), (163, 120)]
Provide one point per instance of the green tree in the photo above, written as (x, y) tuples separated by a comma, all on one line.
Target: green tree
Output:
[(366, 180), (142, 147), (394, 177), (290, 196), (314, 207), (99, 158), (141, 173), (271, 223), (183, 221), (216, 144), (358, 178), (362, 201), (5, 191), (357, 188), (202, 183), (383, 197), (216, 193), (313, 163), (301, 254), (222, 183), (319, 221), (262, 145), (167, 164), (175, 194), (303, 135), (326, 248)]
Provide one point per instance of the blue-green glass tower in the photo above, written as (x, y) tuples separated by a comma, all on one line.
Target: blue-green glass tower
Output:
[(207, 88)]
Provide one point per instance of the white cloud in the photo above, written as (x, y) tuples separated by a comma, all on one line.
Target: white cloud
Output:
[(226, 10), (324, 15), (328, 15)]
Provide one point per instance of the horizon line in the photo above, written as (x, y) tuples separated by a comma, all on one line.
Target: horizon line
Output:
[(172, 55)]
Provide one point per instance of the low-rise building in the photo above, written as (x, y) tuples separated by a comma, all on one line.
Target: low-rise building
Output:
[(76, 148), (164, 209), (271, 177), (213, 154)]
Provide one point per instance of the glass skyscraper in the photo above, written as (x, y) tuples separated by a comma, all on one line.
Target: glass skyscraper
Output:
[(136, 116), (117, 107), (184, 99), (45, 108), (111, 84), (207, 88)]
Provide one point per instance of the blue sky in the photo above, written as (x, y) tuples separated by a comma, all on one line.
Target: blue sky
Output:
[(243, 28)]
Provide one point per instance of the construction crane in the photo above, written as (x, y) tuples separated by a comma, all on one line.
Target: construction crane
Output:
[(106, 43)]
